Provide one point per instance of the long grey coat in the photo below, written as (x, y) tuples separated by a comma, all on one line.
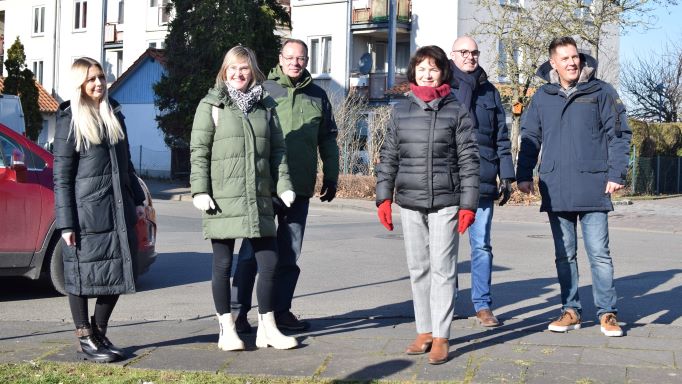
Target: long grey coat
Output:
[(96, 192)]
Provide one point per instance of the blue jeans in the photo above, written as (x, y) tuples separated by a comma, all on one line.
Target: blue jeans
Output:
[(481, 255), (290, 230), (595, 230)]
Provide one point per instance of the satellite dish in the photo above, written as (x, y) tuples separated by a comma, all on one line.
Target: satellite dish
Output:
[(365, 63)]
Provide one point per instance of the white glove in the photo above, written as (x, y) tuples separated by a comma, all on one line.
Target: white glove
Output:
[(288, 198), (203, 202)]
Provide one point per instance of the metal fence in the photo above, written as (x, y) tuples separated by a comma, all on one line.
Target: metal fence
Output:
[(655, 175), (151, 162)]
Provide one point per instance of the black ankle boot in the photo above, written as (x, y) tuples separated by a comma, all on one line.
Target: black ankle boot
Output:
[(90, 347), (101, 332)]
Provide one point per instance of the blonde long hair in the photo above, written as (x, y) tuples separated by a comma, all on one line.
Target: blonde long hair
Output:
[(91, 123)]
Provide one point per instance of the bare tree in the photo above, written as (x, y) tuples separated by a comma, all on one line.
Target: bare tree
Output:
[(652, 85), (524, 32)]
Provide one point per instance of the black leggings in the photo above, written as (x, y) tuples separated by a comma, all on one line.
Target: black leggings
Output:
[(104, 306), (266, 256)]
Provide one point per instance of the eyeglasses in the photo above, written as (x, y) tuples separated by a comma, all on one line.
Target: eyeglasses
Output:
[(290, 59), (465, 53), (241, 70)]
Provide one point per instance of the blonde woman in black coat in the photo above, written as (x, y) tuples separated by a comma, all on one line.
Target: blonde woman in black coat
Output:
[(97, 201)]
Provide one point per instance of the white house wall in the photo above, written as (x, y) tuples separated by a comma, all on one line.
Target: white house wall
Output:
[(19, 22), (468, 11), (141, 28), (324, 18), (146, 141), (73, 44), (434, 22)]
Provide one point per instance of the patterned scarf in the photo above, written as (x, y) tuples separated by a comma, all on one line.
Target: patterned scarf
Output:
[(245, 100)]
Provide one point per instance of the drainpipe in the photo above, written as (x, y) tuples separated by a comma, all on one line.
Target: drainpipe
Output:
[(103, 27), (56, 46), (392, 21), (349, 45)]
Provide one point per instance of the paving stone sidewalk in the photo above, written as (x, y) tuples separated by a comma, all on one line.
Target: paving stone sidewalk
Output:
[(371, 348), (520, 351)]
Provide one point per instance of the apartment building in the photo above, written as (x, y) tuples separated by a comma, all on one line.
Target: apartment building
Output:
[(351, 40), (55, 32)]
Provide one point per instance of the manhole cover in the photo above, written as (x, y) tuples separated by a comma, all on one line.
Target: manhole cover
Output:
[(390, 236), (546, 236), (540, 236)]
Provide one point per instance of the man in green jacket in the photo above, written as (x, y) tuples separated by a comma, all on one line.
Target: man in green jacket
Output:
[(307, 121)]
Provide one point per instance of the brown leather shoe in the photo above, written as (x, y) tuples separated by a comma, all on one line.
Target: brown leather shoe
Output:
[(439, 351), (486, 318), (420, 345)]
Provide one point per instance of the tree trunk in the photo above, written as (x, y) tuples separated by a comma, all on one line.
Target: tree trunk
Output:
[(515, 133)]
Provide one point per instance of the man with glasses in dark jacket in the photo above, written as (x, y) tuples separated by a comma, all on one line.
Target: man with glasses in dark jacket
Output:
[(577, 124), (471, 87)]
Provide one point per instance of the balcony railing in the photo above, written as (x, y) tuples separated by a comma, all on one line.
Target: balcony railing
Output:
[(376, 11)]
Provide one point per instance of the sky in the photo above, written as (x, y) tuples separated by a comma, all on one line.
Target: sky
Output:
[(667, 28)]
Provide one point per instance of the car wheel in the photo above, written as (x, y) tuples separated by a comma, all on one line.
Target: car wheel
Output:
[(57, 267)]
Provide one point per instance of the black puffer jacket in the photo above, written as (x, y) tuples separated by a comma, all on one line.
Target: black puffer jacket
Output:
[(429, 156), (96, 192)]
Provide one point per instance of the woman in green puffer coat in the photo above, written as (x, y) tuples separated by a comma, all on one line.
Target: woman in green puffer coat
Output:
[(239, 165)]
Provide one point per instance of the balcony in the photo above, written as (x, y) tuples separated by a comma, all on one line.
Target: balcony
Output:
[(375, 12), (112, 36)]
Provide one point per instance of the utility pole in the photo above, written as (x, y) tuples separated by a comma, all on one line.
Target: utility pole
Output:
[(392, 21)]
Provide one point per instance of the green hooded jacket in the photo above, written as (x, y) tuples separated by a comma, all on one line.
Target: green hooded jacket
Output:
[(238, 164), (307, 121)]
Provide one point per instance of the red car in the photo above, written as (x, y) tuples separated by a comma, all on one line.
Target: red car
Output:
[(30, 246)]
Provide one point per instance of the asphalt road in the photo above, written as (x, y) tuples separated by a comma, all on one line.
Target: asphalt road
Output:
[(353, 268)]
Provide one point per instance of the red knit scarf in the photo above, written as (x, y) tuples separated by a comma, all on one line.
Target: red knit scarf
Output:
[(428, 94)]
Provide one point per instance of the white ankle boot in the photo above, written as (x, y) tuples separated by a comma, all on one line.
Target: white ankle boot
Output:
[(228, 341), (269, 335)]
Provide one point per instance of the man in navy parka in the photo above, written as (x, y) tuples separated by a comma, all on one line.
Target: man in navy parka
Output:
[(577, 125)]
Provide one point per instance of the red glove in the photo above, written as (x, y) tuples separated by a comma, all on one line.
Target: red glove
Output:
[(385, 214), (465, 219)]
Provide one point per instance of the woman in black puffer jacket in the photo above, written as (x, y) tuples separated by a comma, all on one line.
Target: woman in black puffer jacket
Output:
[(97, 201), (430, 159)]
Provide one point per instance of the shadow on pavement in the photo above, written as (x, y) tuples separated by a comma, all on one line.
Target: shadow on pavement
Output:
[(174, 269), (377, 371), (19, 288), (635, 302)]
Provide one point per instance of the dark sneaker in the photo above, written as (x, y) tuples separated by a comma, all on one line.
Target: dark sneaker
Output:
[(610, 326), (241, 324), (569, 320), (288, 321)]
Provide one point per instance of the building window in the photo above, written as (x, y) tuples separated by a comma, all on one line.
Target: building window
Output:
[(584, 10), (321, 55), (504, 60), (163, 15), (402, 57), (113, 65), (120, 11), (380, 61), (38, 20), (38, 70), (80, 19), (156, 44)]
